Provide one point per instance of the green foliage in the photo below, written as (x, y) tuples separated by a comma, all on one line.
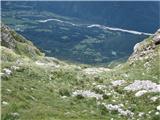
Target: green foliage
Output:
[(36, 92), (64, 92), (8, 55)]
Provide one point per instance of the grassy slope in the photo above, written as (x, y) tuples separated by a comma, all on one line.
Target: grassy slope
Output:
[(35, 92)]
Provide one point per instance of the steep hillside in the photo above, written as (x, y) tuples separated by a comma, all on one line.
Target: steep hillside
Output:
[(17, 43), (46, 88)]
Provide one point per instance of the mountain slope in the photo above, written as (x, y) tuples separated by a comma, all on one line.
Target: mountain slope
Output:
[(47, 88), (14, 41)]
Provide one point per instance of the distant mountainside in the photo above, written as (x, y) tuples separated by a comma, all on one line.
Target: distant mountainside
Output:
[(61, 34), (134, 15), (37, 87)]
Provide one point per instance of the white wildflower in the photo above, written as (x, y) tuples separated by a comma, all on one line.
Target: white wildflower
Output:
[(8, 90), (14, 67), (7, 71), (101, 87), (141, 114), (157, 113), (94, 83), (39, 63), (15, 114), (108, 94), (154, 98), (118, 82), (158, 107), (4, 103)]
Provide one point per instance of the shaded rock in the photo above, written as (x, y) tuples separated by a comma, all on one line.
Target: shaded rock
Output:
[(156, 38)]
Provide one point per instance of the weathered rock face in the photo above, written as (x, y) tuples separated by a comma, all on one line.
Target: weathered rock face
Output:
[(146, 47), (12, 40), (7, 39), (156, 37)]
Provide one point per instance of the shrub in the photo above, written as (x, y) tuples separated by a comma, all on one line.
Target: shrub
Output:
[(105, 96), (79, 97), (64, 92), (103, 109)]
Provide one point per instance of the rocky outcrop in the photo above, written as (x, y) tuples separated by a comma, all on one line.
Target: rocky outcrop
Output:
[(156, 37), (146, 48), (7, 39), (12, 40), (143, 85)]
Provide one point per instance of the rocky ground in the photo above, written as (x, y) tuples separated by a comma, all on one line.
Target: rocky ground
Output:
[(35, 87)]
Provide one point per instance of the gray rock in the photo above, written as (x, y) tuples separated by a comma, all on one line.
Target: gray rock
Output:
[(156, 38), (6, 37), (87, 93), (118, 108), (143, 85)]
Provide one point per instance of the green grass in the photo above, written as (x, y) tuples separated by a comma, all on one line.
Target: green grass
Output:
[(48, 103), (35, 92), (36, 95)]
